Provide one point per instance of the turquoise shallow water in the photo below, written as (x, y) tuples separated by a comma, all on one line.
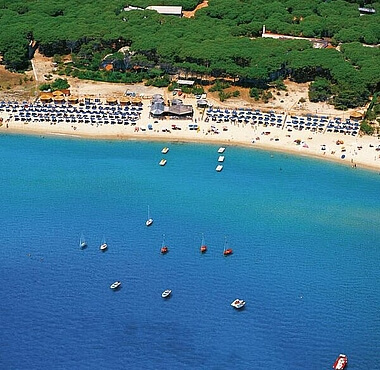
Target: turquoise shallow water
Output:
[(306, 258)]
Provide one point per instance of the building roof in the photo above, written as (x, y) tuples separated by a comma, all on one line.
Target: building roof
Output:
[(181, 110), (367, 10), (168, 10), (202, 102), (177, 102), (157, 108), (185, 82)]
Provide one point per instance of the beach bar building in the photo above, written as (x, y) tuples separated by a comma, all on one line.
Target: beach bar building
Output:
[(181, 111), (157, 109)]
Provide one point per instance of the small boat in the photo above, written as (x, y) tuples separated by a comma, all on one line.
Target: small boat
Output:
[(166, 293), (165, 150), (340, 363), (218, 168), (115, 285), (162, 162), (82, 242), (104, 245), (221, 158), (203, 245), (164, 248), (221, 149), (227, 251), (149, 221), (238, 303)]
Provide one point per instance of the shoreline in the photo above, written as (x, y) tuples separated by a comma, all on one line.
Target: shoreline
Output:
[(350, 150), (267, 144)]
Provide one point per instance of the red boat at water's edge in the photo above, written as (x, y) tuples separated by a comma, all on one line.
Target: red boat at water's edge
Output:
[(340, 363)]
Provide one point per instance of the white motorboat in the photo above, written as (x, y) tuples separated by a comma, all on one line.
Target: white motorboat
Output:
[(149, 221), (221, 158), (219, 167), (103, 245), (115, 285), (162, 162), (82, 242), (238, 303), (221, 149), (165, 150), (166, 293)]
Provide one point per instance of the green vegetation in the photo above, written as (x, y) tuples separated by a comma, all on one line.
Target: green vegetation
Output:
[(216, 43), (367, 128), (320, 90), (58, 84)]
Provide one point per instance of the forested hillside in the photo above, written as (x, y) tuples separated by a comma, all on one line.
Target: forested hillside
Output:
[(223, 40)]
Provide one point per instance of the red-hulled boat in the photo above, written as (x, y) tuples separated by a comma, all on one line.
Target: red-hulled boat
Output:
[(203, 245), (164, 249), (340, 363), (227, 251)]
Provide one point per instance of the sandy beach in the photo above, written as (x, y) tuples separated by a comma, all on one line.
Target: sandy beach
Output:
[(354, 151)]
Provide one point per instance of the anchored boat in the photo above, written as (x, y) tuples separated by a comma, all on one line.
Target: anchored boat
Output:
[(166, 293), (149, 221), (226, 251), (164, 248), (238, 304), (115, 285), (203, 245), (341, 362)]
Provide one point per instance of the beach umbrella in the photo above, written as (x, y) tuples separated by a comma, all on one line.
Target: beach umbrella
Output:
[(111, 100), (136, 101), (73, 99), (45, 98), (58, 99)]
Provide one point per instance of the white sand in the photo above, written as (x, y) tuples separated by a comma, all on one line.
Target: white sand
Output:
[(359, 151)]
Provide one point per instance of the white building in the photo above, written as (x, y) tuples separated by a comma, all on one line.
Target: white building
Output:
[(167, 10)]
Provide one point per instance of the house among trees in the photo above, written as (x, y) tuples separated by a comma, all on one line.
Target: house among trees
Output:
[(113, 64), (317, 43), (185, 82), (366, 11), (166, 10)]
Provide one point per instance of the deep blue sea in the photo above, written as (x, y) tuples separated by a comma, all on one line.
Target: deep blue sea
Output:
[(305, 235)]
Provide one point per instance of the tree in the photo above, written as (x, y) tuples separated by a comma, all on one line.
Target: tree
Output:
[(60, 84), (320, 90)]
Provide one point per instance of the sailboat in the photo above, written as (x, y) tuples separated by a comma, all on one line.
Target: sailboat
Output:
[(149, 221), (104, 245), (227, 251), (164, 248), (203, 245), (82, 242)]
